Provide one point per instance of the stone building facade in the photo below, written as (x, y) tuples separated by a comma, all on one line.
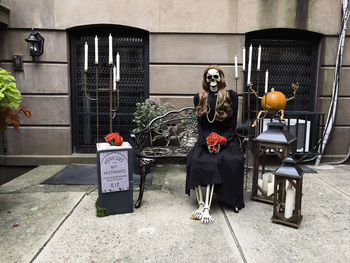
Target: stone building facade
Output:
[(184, 36)]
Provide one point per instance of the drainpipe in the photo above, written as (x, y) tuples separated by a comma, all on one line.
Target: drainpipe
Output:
[(335, 91)]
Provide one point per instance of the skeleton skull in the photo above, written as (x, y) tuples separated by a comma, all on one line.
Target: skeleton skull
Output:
[(213, 76)]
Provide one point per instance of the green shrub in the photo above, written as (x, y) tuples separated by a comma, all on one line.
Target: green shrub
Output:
[(10, 97), (147, 111)]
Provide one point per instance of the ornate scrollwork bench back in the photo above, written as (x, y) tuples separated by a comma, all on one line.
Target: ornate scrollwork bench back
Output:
[(169, 136)]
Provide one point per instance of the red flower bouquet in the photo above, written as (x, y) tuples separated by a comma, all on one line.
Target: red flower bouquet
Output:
[(214, 141), (114, 139)]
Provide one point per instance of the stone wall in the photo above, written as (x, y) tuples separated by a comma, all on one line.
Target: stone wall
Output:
[(185, 36)]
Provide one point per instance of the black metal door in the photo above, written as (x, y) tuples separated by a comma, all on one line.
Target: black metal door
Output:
[(90, 118)]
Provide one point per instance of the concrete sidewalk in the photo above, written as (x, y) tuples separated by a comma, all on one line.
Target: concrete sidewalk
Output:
[(41, 223)]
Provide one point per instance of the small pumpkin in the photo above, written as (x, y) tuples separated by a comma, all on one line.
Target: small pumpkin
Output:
[(275, 101)]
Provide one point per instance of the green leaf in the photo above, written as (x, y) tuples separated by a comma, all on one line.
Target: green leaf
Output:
[(34, 208)]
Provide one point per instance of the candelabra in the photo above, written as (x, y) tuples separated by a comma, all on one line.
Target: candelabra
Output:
[(93, 99), (113, 98), (257, 101)]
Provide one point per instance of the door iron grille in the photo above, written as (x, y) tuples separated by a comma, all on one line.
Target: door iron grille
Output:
[(290, 56), (91, 118)]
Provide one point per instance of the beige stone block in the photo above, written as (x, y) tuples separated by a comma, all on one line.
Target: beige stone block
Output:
[(40, 78), (195, 48), (264, 14), (135, 13), (329, 49), (12, 42), (339, 141), (178, 102), (325, 84), (4, 14), (343, 113), (324, 16), (186, 79), (39, 140), (31, 13), (320, 16), (198, 16), (47, 110)]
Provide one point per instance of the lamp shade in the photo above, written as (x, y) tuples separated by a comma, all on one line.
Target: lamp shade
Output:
[(32, 38), (289, 168), (275, 133)]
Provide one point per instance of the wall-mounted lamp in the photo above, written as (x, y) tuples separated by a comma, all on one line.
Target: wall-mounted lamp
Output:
[(35, 44)]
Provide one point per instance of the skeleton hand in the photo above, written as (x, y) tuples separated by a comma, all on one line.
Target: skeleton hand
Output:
[(206, 218), (214, 149)]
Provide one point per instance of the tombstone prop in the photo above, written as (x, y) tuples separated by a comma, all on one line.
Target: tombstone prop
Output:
[(115, 180)]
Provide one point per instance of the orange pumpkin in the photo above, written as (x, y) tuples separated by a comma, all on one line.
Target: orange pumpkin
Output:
[(275, 101)]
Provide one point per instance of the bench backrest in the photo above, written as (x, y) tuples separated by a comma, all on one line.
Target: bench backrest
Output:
[(175, 128)]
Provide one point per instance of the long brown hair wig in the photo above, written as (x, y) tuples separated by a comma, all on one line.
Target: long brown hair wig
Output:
[(223, 108)]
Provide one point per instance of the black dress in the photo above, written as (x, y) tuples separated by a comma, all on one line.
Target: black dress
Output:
[(225, 169)]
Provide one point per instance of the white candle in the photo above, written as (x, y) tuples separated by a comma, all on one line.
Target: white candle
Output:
[(290, 202), (260, 182), (287, 184), (114, 78), (86, 57), (266, 81), (270, 189), (118, 67), (243, 59), (236, 68), (96, 50), (265, 182), (271, 178), (259, 58), (110, 58), (249, 63)]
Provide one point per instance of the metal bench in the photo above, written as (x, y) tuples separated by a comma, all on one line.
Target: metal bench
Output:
[(170, 136)]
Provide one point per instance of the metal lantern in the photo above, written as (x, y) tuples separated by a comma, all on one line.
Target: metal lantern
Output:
[(282, 143), (35, 44), (288, 194)]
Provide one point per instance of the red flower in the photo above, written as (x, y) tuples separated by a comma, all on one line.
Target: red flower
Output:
[(109, 138), (114, 139), (119, 140), (223, 140), (213, 140)]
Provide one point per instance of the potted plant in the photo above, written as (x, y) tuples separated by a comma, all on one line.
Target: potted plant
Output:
[(10, 99), (147, 111)]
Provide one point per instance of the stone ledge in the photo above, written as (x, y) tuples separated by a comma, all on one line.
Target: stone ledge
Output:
[(23, 160)]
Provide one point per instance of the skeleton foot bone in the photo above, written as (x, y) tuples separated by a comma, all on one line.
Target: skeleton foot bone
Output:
[(199, 212), (206, 218), (202, 213)]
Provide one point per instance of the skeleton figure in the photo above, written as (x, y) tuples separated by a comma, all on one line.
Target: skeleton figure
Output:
[(202, 213), (211, 117), (213, 77)]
